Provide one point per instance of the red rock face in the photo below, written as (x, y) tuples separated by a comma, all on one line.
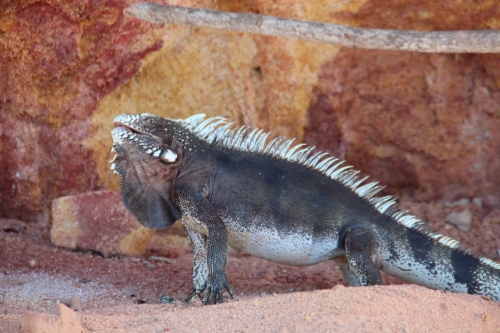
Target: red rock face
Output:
[(56, 62), (424, 124)]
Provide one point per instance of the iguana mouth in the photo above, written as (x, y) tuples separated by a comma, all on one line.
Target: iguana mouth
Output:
[(123, 128), (127, 128)]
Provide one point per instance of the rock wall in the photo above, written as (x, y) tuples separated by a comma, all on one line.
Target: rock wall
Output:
[(58, 59), (426, 125)]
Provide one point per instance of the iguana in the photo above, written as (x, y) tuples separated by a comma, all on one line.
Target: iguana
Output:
[(288, 205)]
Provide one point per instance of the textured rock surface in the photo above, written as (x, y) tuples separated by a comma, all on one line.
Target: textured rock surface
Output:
[(57, 60), (426, 125), (97, 221)]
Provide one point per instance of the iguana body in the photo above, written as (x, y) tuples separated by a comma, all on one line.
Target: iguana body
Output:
[(283, 204)]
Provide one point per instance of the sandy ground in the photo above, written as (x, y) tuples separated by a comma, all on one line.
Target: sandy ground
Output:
[(121, 294)]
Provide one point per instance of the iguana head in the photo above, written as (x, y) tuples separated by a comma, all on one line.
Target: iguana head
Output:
[(147, 160)]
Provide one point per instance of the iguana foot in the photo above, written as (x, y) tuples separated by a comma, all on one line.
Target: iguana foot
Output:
[(213, 291)]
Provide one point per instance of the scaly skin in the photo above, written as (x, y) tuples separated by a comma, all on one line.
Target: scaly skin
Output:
[(229, 188)]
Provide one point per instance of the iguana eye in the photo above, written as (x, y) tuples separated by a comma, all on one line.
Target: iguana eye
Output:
[(168, 156), (151, 121)]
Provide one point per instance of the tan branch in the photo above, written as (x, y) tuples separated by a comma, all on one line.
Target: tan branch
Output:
[(466, 41)]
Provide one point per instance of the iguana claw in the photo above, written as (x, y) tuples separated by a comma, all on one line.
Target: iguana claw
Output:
[(193, 295), (216, 293)]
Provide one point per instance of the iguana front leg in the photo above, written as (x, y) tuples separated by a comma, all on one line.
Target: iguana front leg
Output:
[(200, 264), (209, 269)]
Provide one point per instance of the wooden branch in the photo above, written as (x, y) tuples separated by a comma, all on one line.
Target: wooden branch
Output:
[(466, 41)]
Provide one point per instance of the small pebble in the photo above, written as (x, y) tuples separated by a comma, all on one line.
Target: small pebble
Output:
[(166, 299), (33, 263), (478, 202), (462, 220)]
